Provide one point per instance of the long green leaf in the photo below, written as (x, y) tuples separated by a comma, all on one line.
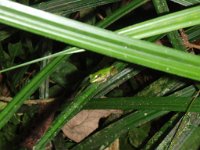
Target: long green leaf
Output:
[(158, 136), (121, 12), (145, 103), (105, 42), (167, 23), (64, 52)]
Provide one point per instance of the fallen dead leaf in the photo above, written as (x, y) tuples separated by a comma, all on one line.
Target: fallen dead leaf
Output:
[(114, 145), (85, 122)]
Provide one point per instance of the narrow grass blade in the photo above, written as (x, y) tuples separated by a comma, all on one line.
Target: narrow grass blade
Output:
[(64, 52), (167, 23), (159, 135), (121, 12)]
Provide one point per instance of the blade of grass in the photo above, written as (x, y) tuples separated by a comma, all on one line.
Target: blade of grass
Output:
[(121, 12), (62, 53), (169, 103), (158, 136), (102, 41), (167, 23), (178, 101)]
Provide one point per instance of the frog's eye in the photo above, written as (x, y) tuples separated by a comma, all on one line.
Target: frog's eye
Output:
[(97, 76)]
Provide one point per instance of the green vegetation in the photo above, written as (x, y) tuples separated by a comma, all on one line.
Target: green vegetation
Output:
[(138, 57)]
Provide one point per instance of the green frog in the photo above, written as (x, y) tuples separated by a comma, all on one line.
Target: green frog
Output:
[(103, 74)]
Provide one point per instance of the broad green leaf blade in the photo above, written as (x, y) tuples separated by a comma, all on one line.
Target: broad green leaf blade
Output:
[(17, 101), (145, 103), (161, 87), (103, 41)]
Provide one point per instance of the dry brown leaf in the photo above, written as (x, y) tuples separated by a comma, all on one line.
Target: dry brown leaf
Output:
[(114, 145), (85, 122)]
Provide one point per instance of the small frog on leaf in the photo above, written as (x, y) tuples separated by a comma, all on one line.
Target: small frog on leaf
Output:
[(102, 75)]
